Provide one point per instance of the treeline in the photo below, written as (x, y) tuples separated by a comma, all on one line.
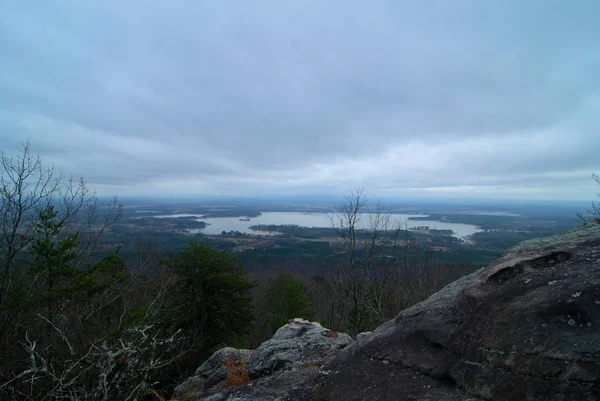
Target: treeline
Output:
[(79, 321), (293, 230)]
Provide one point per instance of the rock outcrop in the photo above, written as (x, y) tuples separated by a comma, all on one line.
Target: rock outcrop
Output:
[(524, 328), (299, 346)]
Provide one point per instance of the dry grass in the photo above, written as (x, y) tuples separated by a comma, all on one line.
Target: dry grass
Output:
[(309, 366), (154, 394), (237, 373)]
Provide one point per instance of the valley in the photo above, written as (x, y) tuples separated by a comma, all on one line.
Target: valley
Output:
[(272, 230)]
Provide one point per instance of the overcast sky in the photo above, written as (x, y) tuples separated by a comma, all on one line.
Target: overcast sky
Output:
[(418, 98)]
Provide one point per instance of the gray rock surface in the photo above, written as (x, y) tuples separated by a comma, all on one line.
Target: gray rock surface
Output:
[(523, 328), (300, 346)]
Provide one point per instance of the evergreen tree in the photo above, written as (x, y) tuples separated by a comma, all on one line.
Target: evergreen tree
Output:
[(284, 298), (213, 300)]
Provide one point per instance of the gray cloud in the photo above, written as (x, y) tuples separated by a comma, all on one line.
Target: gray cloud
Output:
[(461, 97)]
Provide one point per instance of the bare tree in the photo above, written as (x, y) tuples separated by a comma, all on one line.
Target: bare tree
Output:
[(594, 211), (27, 189), (26, 186), (381, 268), (369, 237), (595, 208), (40, 209)]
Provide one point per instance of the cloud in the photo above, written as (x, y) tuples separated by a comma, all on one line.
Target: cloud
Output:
[(260, 97)]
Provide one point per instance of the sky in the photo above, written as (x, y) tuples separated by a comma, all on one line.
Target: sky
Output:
[(497, 99)]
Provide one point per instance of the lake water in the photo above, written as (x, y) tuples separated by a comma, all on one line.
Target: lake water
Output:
[(220, 224)]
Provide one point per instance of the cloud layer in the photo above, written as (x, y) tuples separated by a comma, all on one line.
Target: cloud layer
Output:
[(464, 98)]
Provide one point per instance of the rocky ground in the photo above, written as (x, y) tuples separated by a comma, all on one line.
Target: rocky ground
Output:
[(294, 354), (524, 328)]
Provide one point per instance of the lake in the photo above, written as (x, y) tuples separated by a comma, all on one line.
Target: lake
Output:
[(216, 225)]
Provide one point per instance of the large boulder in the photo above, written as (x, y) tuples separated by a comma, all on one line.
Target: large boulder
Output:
[(300, 346), (524, 328)]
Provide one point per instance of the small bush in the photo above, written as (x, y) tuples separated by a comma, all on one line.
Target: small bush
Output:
[(237, 373)]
